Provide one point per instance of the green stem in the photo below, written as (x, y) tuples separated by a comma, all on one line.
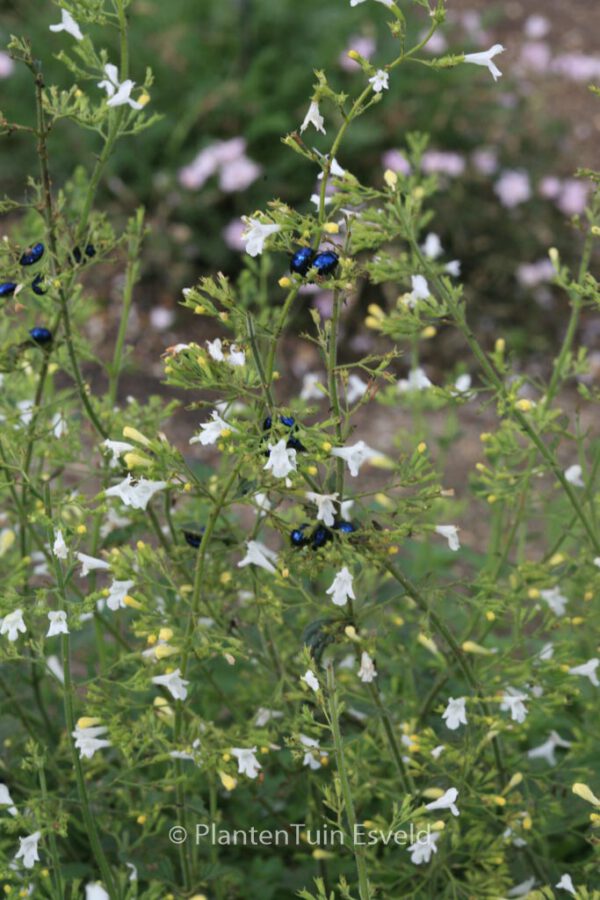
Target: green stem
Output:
[(131, 277), (56, 868)]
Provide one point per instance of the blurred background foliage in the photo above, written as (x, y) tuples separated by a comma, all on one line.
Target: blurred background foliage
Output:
[(244, 68)]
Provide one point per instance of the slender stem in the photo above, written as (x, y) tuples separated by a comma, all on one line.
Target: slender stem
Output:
[(131, 277), (405, 776), (334, 721), (56, 868)]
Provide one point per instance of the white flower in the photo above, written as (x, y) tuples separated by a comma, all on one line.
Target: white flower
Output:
[(236, 358), (58, 623), (555, 600), (380, 81), (342, 588), (597, 561), (417, 381), (133, 870), (310, 391), (311, 680), (354, 456), (453, 268), (420, 291), (116, 450), (547, 651), (313, 117), (421, 850), (335, 169), (193, 754), (95, 891), (566, 883), (174, 683), (311, 759), (450, 532), (12, 624), (262, 502), (588, 670), (90, 564), (118, 92), (486, 59), (521, 890), (462, 384), (215, 349), (59, 548), (546, 750), (210, 431), (28, 849), (247, 761), (281, 461), (136, 492), (455, 713), (258, 554), (437, 751), (325, 506), (256, 234), (355, 389), (446, 801), (88, 740), (69, 25), (432, 248), (345, 508), (117, 593), (367, 671), (573, 476), (265, 715), (55, 668), (387, 3), (7, 800), (512, 701)]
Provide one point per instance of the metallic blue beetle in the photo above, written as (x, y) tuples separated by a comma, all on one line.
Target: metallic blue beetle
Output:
[(320, 537), (7, 289), (40, 336), (326, 263), (345, 527), (32, 255), (302, 260), (37, 286)]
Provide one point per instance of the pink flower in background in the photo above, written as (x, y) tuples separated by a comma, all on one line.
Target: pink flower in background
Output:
[(7, 66), (437, 44), (533, 274), (228, 158), (395, 160), (361, 44), (513, 188), (443, 162), (232, 235), (536, 27), (549, 187), (573, 197), (578, 66), (535, 56), (485, 161)]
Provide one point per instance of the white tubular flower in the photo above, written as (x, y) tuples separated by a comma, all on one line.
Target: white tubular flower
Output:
[(311, 758), (118, 92), (566, 884), (513, 701), (387, 3), (264, 716), (136, 493), (257, 554), (573, 475), (174, 683), (450, 532), (355, 389), (437, 751), (486, 58), (313, 117), (420, 289), (215, 350), (546, 750), (342, 588), (256, 233), (88, 740), (7, 800), (380, 81), (555, 600), (463, 383), (446, 801), (236, 357), (310, 389), (455, 713), (311, 680), (90, 564), (325, 506), (69, 25), (58, 623), (367, 671), (210, 431), (281, 461), (522, 889), (95, 891), (116, 450), (12, 625), (117, 593), (354, 456), (432, 248), (417, 381), (247, 761), (59, 548), (588, 670), (28, 849), (421, 851)]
